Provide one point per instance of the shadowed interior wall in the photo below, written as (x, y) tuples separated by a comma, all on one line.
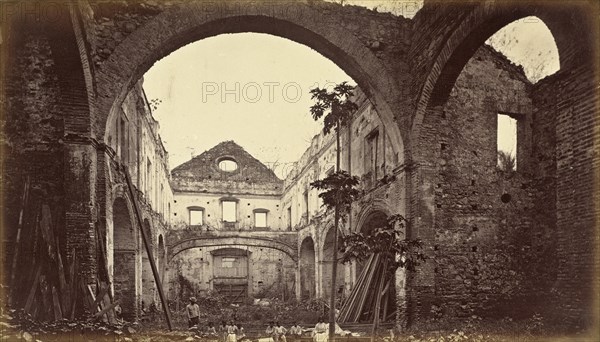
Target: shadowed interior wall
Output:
[(307, 268), (125, 252)]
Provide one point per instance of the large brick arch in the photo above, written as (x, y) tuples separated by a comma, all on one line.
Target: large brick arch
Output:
[(438, 63), (571, 26), (199, 242), (189, 22)]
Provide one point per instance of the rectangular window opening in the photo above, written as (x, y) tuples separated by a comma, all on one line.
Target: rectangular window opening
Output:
[(260, 220), (229, 211), (306, 207), (196, 217), (507, 142), (371, 152)]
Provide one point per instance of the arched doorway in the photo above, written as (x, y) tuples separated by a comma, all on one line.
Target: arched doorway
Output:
[(148, 283), (326, 267), (124, 258), (371, 271), (374, 220), (307, 268)]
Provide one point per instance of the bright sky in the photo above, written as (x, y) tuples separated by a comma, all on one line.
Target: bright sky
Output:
[(253, 88), (248, 87)]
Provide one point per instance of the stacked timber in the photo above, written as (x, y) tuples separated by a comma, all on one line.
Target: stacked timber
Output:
[(360, 306), (44, 282)]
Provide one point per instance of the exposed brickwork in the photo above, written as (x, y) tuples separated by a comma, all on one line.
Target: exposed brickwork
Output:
[(488, 254), (453, 51), (62, 87), (202, 173), (316, 25)]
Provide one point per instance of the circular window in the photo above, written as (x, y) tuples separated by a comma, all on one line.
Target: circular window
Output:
[(228, 165)]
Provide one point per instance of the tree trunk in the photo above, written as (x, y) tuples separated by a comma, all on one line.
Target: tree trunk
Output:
[(335, 247)]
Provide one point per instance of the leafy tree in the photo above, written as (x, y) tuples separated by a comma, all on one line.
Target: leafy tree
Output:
[(336, 109), (339, 189), (395, 251)]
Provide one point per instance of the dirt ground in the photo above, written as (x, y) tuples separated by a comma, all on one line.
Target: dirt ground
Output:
[(151, 326)]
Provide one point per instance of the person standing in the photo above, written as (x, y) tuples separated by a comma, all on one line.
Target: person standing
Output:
[(193, 313)]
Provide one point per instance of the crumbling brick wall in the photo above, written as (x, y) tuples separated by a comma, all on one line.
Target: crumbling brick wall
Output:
[(32, 126), (491, 231), (562, 151)]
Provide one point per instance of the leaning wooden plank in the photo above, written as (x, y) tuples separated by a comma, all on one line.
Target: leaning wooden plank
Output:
[(88, 296), (46, 225), (365, 289), (106, 310), (378, 294), (72, 267), (13, 272), (350, 304), (101, 293), (47, 311), (146, 240), (110, 314), (62, 281), (56, 302), (73, 283), (33, 290), (103, 267), (370, 287)]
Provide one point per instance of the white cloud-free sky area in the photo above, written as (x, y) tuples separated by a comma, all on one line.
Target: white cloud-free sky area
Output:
[(250, 88), (254, 89)]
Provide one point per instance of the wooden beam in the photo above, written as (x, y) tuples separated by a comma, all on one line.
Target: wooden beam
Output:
[(13, 271), (33, 290), (56, 304), (138, 215)]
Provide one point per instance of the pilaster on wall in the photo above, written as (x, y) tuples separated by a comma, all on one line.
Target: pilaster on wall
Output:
[(79, 146), (420, 284), (577, 170), (80, 209)]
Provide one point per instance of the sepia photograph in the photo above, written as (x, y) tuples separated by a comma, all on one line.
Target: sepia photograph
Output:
[(300, 170)]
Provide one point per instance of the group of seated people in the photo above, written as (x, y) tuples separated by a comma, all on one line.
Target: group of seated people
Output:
[(234, 332), (278, 332), (226, 332), (320, 333)]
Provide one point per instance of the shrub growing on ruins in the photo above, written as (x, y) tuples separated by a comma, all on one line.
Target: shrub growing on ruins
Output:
[(389, 242), (506, 162)]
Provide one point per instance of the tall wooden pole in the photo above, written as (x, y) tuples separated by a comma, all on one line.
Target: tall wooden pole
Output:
[(148, 250)]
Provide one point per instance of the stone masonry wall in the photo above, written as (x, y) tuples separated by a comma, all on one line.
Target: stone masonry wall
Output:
[(493, 239), (268, 271), (31, 131)]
